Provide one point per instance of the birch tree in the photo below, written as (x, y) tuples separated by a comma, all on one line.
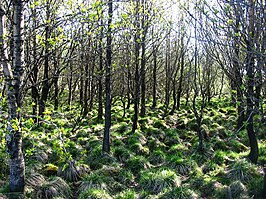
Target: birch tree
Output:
[(13, 74)]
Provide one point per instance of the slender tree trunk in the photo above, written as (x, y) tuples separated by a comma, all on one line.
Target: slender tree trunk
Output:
[(154, 77), (107, 124), (143, 78), (100, 86), (143, 60), (237, 82), (174, 97), (129, 79), (179, 90), (222, 86), (167, 74), (35, 71), (81, 83), (70, 83), (45, 84), (137, 75), (85, 96), (250, 64), (13, 79), (92, 86)]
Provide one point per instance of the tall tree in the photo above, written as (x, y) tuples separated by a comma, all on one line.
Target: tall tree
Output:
[(13, 76), (250, 66), (137, 75), (107, 124)]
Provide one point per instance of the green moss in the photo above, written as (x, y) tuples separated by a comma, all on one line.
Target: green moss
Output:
[(50, 169)]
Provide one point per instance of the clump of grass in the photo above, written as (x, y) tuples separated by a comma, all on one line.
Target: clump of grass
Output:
[(160, 124), (94, 193), (126, 177), (41, 156), (127, 194), (181, 148), (93, 143), (242, 170), (72, 172), (123, 127), (96, 180), (121, 153), (159, 180), (137, 137), (209, 166), (180, 192), (262, 153), (238, 189), (157, 157), (35, 180), (182, 166), (155, 144), (220, 157), (54, 187), (139, 149), (255, 186), (137, 163), (172, 137)]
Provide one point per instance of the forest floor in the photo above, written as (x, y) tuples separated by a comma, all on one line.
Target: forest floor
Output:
[(64, 158)]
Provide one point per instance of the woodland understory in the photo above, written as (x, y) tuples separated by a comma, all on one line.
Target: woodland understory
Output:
[(132, 99)]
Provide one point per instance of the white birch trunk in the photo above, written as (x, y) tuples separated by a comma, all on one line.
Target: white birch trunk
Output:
[(13, 80)]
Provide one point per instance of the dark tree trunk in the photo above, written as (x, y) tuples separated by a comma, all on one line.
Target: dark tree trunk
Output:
[(35, 71), (143, 78), (222, 86), (238, 82), (70, 83), (174, 97), (250, 65), (45, 84), (100, 86), (154, 77), (107, 124), (144, 27), (168, 77), (129, 79), (85, 96), (92, 85), (137, 75), (179, 90), (81, 83)]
